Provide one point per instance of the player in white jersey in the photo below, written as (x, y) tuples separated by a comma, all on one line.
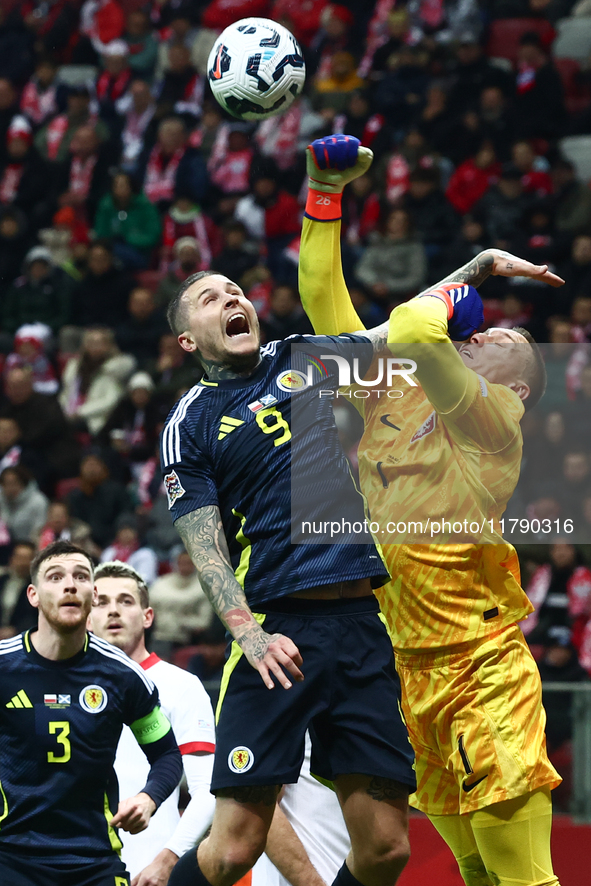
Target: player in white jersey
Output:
[(121, 615), (313, 811)]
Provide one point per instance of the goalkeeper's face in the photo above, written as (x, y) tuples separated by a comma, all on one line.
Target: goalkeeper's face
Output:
[(499, 356), (222, 323)]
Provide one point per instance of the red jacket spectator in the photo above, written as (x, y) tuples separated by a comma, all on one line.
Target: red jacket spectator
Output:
[(302, 19), (470, 182), (221, 13)]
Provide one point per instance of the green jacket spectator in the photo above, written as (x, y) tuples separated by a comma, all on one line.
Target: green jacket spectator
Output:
[(129, 221)]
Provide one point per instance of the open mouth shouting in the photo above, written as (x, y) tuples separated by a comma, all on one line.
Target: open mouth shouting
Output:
[(237, 325)]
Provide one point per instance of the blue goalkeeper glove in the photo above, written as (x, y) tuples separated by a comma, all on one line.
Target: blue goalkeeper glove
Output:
[(465, 312), (331, 163)]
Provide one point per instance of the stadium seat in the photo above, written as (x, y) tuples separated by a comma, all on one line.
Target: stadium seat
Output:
[(505, 33), (77, 75), (577, 94), (574, 39), (577, 149)]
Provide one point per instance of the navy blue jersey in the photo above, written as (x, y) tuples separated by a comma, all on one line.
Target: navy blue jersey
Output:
[(265, 450), (60, 723)]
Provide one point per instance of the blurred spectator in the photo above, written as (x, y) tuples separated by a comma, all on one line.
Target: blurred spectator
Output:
[(556, 589), (93, 381), (473, 72), (401, 91), (235, 259), (398, 34), (141, 43), (172, 166), (136, 108), (433, 217), (44, 430), (132, 427), (545, 451), (114, 81), (23, 507), (53, 140), (535, 177), (559, 664), (394, 265), (41, 295), (335, 36), (361, 210), (30, 342), (13, 245), (187, 261), (302, 19), (332, 90), (24, 181), (504, 206), (16, 613), (435, 121), (185, 219), (182, 611), (286, 315), (539, 100), (470, 240), (580, 316), (81, 178), (140, 333), (181, 90), (472, 179), (129, 221), (577, 274), (360, 120), (59, 525), (579, 413), (172, 370), (230, 159), (180, 19), (8, 109), (100, 22), (11, 450), (39, 98), (572, 200), (98, 500), (367, 310), (16, 45), (100, 298), (127, 548)]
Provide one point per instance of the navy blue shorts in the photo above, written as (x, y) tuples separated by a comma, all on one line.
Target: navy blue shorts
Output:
[(350, 700), (20, 870)]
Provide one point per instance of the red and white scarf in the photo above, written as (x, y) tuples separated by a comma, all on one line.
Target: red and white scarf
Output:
[(37, 104), (171, 235), (160, 177), (10, 182), (112, 88), (81, 175), (56, 129)]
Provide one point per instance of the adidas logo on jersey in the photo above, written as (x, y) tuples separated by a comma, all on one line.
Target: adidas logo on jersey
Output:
[(20, 700), (227, 425)]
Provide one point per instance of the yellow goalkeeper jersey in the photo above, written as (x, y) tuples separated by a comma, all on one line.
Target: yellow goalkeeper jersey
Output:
[(447, 452)]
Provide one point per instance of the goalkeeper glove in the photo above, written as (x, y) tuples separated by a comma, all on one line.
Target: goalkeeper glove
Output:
[(465, 313), (331, 163)]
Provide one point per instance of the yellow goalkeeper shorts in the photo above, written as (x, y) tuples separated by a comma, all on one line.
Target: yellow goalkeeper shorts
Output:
[(476, 723)]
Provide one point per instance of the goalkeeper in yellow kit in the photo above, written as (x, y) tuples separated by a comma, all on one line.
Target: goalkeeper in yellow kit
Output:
[(471, 690)]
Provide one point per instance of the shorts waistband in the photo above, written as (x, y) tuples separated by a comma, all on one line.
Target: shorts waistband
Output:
[(321, 608), (440, 657)]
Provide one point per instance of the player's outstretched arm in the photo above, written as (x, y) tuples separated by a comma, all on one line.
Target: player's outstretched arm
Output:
[(203, 535), (498, 263)]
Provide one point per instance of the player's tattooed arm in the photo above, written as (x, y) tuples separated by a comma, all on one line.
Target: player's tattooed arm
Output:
[(475, 272), (500, 264), (203, 536), (378, 337)]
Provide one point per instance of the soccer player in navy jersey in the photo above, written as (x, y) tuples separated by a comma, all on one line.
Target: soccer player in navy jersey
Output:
[(294, 610), (64, 697)]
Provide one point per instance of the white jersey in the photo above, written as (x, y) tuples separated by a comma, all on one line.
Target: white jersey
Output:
[(186, 704), (315, 815)]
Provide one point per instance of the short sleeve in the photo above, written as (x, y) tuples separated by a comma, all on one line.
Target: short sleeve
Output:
[(187, 472), (192, 718)]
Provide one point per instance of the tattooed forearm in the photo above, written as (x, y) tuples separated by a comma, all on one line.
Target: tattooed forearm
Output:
[(474, 272), (378, 336), (203, 536), (387, 789), (264, 794)]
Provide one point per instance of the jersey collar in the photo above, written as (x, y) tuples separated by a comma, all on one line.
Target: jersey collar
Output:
[(48, 662), (150, 661)]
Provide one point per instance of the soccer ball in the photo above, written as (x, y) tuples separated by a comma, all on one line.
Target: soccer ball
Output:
[(256, 69)]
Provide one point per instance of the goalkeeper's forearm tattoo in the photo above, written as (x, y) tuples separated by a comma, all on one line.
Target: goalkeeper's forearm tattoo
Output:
[(474, 272)]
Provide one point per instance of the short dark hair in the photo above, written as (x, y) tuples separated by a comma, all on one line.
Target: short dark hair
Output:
[(59, 548), (118, 569), (176, 313), (23, 474), (535, 371)]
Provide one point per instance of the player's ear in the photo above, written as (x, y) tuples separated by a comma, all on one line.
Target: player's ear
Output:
[(33, 596), (187, 342), (148, 617), (521, 389)]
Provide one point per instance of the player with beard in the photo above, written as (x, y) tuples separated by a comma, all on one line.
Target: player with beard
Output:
[(64, 698), (450, 450)]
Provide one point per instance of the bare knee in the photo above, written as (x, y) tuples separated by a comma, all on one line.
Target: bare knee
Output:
[(383, 861), (241, 855)]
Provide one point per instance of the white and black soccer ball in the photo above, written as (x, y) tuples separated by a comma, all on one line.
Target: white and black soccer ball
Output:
[(256, 69)]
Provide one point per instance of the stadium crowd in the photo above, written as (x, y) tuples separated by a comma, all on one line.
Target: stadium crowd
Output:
[(120, 176)]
